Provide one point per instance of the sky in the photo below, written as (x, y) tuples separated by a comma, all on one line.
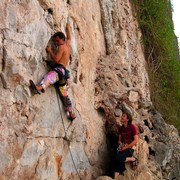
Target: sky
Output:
[(176, 14)]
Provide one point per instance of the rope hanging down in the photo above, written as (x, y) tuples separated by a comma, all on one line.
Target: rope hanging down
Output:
[(65, 136)]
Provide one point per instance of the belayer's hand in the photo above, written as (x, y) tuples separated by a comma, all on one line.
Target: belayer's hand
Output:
[(124, 147)]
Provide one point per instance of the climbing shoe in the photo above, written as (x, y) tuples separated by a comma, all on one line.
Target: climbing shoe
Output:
[(71, 116), (43, 91), (33, 87)]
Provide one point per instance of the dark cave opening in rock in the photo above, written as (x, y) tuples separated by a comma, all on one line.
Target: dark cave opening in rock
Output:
[(112, 145), (111, 129)]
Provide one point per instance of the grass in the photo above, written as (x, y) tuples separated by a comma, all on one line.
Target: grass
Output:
[(162, 55)]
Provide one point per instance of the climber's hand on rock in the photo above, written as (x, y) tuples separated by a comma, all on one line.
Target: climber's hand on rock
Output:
[(48, 49)]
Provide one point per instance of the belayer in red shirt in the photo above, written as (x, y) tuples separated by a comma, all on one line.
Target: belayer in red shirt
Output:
[(128, 138)]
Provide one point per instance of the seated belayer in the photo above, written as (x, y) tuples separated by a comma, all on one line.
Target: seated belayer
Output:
[(128, 138), (59, 74)]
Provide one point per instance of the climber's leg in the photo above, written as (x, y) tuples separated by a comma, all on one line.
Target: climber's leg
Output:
[(66, 102), (48, 79)]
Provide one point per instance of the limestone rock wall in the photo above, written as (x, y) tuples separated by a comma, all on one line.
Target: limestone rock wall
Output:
[(107, 73)]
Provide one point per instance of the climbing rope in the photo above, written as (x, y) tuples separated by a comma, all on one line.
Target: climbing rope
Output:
[(65, 136)]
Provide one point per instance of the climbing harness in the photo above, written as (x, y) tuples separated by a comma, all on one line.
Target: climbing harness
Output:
[(65, 136), (62, 77)]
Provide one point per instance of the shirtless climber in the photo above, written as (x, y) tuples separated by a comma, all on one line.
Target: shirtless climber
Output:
[(59, 73)]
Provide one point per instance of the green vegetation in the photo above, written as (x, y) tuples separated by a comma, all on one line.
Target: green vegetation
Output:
[(162, 55)]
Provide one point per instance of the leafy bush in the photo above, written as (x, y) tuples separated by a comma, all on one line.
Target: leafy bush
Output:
[(162, 55)]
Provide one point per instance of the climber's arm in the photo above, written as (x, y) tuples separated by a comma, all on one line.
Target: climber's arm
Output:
[(56, 57), (68, 32)]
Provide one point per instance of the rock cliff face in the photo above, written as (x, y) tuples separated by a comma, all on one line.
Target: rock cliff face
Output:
[(108, 74)]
